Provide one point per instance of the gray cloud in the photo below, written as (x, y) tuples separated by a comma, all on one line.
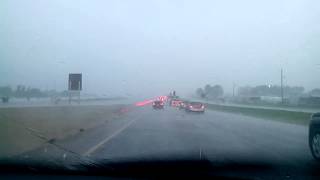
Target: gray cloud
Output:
[(155, 46)]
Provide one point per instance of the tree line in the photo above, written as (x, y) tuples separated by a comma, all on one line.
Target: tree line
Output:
[(216, 91), (274, 90), (210, 92), (22, 91)]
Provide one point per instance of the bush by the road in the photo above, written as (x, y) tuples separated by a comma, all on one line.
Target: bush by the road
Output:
[(21, 129)]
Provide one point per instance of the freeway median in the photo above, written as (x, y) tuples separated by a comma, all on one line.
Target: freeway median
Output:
[(281, 114), (26, 128)]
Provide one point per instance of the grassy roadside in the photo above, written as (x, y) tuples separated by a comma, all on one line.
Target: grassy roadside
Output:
[(19, 127), (300, 118)]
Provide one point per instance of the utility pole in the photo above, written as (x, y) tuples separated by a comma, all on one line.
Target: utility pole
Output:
[(233, 88), (282, 86)]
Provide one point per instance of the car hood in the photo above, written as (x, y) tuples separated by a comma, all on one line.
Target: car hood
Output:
[(184, 167)]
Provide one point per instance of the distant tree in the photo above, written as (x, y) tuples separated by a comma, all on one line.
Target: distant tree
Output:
[(262, 90), (216, 91), (271, 90), (200, 92), (6, 91), (23, 92), (50, 93), (20, 91), (294, 91), (315, 92), (34, 92), (245, 91), (64, 93), (212, 92), (207, 89)]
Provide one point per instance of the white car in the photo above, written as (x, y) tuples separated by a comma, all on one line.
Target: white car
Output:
[(195, 107)]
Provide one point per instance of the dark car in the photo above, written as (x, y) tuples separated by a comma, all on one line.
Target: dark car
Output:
[(158, 104), (175, 102), (195, 107), (183, 105), (314, 136)]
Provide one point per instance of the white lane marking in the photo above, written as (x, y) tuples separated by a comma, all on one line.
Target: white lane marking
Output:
[(94, 148)]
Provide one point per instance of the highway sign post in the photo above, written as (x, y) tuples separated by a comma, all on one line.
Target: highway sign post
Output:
[(74, 86)]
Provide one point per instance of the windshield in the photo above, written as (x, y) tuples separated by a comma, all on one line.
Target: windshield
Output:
[(77, 82)]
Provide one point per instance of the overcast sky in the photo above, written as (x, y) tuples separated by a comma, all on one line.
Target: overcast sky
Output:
[(156, 46)]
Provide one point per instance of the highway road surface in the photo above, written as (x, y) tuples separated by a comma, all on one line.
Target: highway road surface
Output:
[(221, 138)]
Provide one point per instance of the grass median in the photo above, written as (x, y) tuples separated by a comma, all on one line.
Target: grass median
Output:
[(21, 128), (294, 117)]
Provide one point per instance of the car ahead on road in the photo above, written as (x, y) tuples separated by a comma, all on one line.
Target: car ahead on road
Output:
[(183, 105), (195, 107), (314, 135), (158, 104), (175, 102)]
